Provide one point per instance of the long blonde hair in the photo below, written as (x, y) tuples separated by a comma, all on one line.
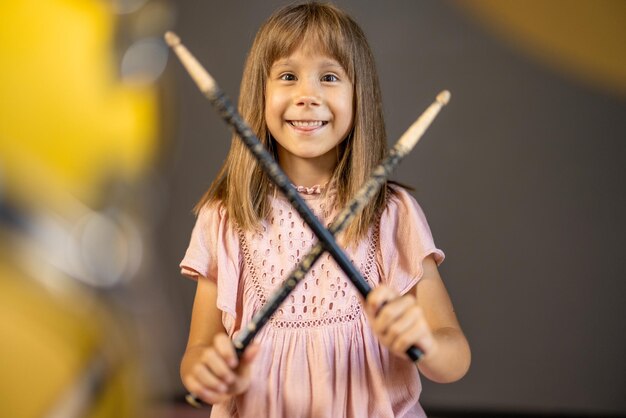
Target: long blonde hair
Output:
[(241, 185)]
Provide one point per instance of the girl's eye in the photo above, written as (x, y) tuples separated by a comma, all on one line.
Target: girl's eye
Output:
[(330, 77), (287, 77)]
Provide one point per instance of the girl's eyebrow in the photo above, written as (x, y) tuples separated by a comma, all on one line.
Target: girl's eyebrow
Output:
[(333, 64), (281, 63), (325, 64)]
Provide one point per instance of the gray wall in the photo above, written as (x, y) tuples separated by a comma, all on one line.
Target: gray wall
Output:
[(521, 177)]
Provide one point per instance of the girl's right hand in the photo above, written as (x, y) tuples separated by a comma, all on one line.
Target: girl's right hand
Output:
[(217, 373)]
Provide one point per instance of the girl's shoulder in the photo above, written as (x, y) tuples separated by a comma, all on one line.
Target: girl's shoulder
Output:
[(403, 213), (405, 239), (212, 219), (211, 211), (398, 197), (213, 243)]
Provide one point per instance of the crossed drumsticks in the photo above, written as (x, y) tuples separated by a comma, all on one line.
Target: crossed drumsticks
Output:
[(326, 237)]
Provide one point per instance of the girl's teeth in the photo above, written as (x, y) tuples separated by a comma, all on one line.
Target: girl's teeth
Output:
[(306, 124)]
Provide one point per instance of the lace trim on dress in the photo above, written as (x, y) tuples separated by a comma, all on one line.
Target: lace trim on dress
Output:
[(371, 253), (248, 260), (353, 313)]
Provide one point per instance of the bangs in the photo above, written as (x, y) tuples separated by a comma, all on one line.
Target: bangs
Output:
[(319, 31)]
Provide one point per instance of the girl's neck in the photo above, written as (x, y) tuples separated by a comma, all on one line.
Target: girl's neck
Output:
[(308, 172)]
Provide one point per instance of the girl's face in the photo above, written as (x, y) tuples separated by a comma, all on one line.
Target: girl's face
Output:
[(308, 109)]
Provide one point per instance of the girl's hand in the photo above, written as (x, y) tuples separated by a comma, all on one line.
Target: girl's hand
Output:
[(399, 323), (217, 373)]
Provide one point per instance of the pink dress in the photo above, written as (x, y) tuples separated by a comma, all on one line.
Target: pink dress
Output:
[(318, 356)]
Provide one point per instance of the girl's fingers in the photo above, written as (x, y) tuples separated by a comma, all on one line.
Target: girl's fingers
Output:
[(206, 395), (208, 380), (398, 322), (402, 324), (219, 373), (250, 354), (417, 333), (377, 298), (244, 370), (389, 314), (224, 346), (217, 365)]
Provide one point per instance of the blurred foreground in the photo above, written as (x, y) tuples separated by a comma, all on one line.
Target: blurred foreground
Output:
[(79, 134)]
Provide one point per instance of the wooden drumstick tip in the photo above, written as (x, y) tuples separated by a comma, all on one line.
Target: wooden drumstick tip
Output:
[(202, 78), (171, 39), (193, 401), (444, 97)]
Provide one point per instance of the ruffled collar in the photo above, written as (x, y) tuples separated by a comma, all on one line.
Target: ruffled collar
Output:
[(318, 191)]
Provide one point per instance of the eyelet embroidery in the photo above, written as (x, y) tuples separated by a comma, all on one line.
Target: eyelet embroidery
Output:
[(337, 305)]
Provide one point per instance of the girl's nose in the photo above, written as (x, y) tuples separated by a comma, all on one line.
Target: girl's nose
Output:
[(308, 101), (308, 95)]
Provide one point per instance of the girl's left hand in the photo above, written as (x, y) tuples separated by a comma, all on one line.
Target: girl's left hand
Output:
[(399, 322)]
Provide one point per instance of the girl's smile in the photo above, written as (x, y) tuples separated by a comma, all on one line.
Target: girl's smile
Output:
[(308, 111), (307, 125)]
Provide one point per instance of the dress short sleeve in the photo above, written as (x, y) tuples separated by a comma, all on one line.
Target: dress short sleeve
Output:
[(405, 241), (213, 252)]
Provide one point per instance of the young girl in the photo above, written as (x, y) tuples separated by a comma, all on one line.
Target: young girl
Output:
[(311, 94)]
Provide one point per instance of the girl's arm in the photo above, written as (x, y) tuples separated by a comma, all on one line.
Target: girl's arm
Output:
[(425, 318), (210, 368)]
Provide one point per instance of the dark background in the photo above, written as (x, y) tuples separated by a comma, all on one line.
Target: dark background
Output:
[(521, 177)]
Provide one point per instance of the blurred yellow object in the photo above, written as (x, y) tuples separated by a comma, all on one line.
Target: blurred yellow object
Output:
[(61, 357), (68, 127), (67, 123), (579, 37)]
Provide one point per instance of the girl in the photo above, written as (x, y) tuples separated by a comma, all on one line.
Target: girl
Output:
[(310, 92)]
